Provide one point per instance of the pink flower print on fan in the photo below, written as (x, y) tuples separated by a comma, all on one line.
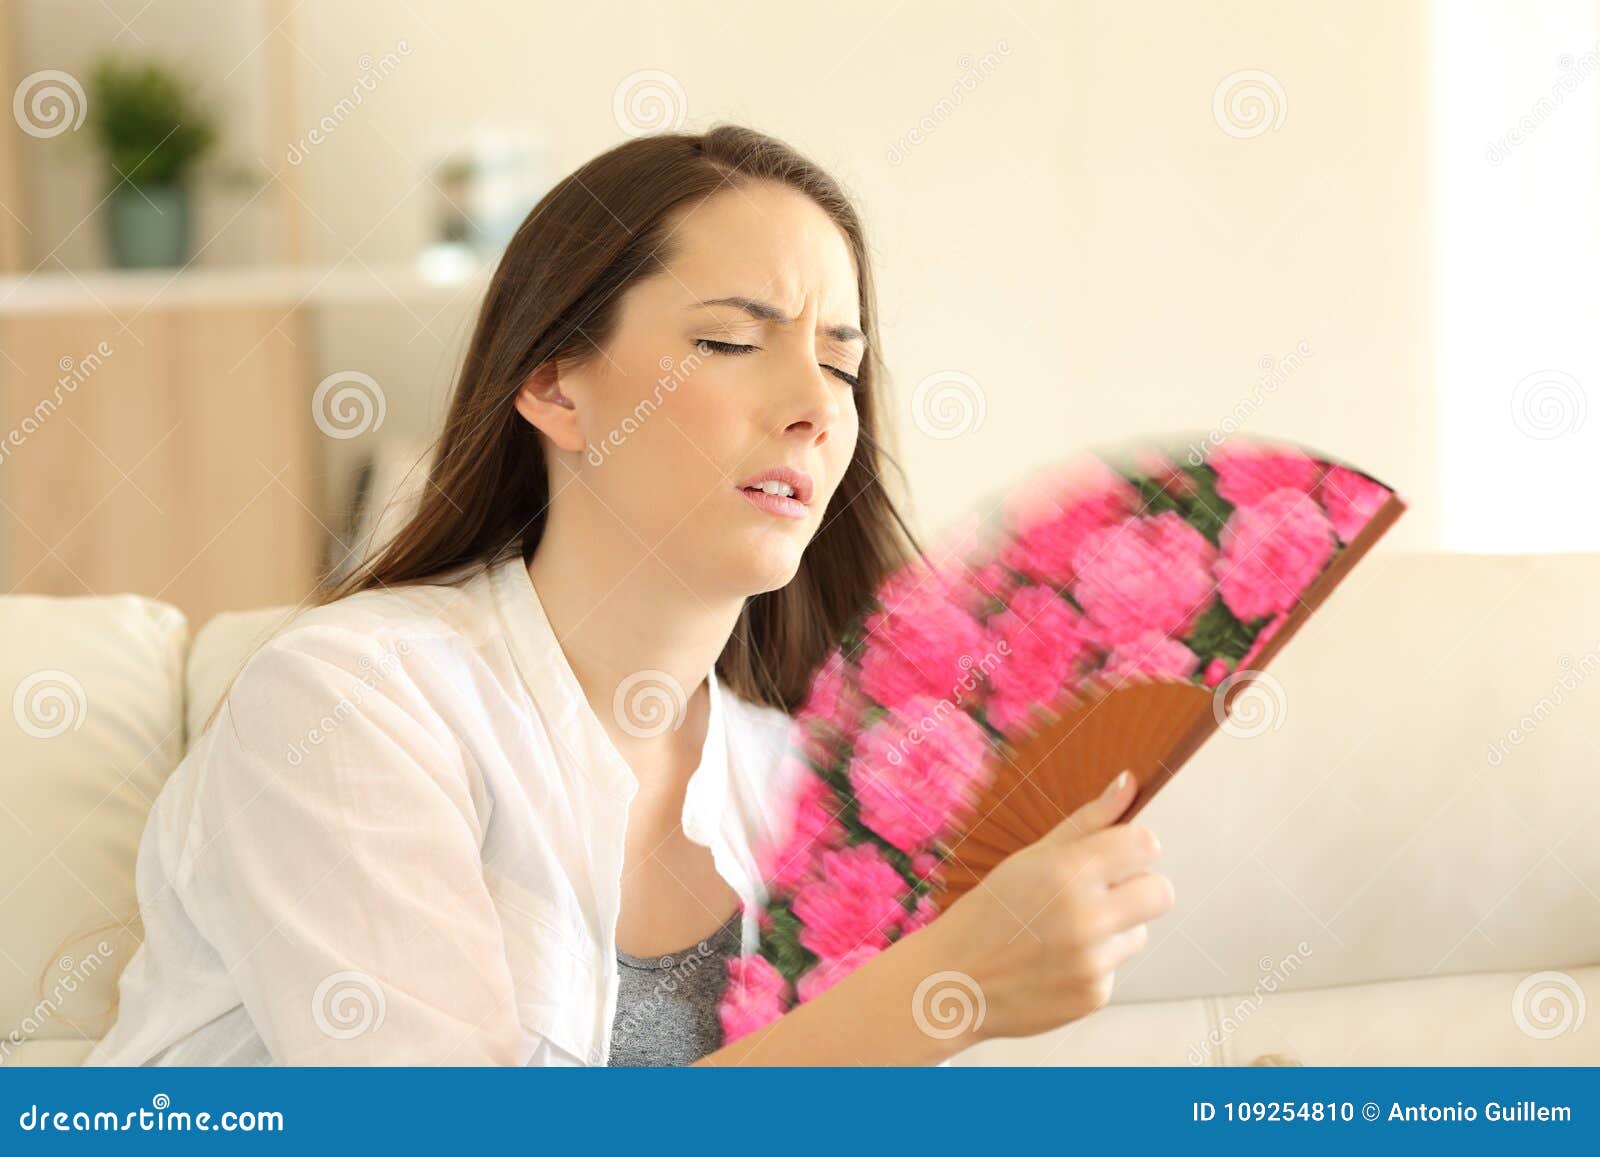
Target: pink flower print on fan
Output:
[(1351, 500), (756, 995), (854, 903), (994, 581), (921, 917), (815, 825), (1043, 646), (1247, 473), (1263, 637), (1270, 553), (1165, 473), (921, 643), (1144, 574), (829, 710), (915, 768), (826, 973), (1045, 529), (1154, 654)]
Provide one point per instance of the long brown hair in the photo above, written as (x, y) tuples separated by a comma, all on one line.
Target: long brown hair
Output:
[(555, 295)]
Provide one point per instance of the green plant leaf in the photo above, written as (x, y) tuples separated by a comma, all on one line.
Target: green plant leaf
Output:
[(150, 128)]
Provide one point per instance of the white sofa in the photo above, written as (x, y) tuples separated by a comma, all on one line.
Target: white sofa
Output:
[(1370, 880)]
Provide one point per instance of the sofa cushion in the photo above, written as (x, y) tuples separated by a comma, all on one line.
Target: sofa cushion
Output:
[(92, 725), (1486, 1018)]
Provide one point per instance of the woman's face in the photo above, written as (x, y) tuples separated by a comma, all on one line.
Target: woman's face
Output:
[(731, 365)]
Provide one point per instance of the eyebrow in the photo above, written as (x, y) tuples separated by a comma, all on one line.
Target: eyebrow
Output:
[(767, 312)]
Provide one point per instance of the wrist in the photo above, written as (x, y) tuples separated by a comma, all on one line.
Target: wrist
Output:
[(947, 1001)]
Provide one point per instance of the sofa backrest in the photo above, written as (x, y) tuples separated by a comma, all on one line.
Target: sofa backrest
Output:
[(1417, 800), (92, 724), (1420, 800)]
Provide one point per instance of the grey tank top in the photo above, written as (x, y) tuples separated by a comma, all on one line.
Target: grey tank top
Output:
[(667, 1005)]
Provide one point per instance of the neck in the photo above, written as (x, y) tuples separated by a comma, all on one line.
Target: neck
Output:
[(622, 620)]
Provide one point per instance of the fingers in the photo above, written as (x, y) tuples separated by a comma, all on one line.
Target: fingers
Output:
[(1126, 944), (1114, 854), (1102, 811), (1146, 896), (1124, 919)]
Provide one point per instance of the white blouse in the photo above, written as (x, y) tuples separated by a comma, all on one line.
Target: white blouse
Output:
[(401, 842)]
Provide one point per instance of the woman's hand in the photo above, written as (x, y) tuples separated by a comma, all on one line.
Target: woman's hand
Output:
[(1044, 933), (1038, 940)]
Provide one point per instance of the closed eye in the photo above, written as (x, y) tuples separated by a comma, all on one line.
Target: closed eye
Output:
[(705, 345)]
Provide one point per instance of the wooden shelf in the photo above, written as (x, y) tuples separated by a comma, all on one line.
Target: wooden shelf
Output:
[(438, 275)]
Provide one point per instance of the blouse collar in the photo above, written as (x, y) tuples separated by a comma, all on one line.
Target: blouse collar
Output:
[(560, 699)]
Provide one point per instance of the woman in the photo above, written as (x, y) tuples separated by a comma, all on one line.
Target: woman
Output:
[(454, 813)]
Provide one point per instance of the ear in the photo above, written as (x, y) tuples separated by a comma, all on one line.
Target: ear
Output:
[(542, 403)]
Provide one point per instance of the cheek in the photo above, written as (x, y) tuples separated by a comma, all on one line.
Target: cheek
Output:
[(841, 446), (688, 441)]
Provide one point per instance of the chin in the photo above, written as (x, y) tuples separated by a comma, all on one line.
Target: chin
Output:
[(766, 566)]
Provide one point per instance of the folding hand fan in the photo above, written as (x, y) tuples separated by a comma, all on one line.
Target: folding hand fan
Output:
[(1111, 617)]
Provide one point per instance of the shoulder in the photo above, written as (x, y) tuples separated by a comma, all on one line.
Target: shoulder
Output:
[(407, 633), (388, 657), (457, 606)]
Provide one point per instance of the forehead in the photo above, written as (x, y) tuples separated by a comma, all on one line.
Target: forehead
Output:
[(766, 241)]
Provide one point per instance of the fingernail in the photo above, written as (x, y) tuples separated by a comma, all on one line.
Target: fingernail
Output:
[(1116, 785)]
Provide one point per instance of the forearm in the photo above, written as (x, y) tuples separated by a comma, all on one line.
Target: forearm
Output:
[(865, 1019)]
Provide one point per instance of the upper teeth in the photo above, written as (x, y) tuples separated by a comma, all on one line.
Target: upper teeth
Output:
[(773, 486)]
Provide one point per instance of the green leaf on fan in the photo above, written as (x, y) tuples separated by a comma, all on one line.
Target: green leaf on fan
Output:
[(1206, 510), (1153, 497), (781, 944), (1220, 635)]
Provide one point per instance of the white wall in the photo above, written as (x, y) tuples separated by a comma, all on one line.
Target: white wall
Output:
[(1079, 231), (1517, 94)]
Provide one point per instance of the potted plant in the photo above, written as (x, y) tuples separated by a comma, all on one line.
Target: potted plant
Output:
[(152, 134)]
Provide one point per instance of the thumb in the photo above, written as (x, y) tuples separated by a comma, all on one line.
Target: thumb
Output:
[(1103, 810)]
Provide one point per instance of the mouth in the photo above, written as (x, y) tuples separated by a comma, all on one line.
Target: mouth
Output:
[(782, 491)]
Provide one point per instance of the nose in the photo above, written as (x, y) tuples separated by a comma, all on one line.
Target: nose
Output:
[(812, 406)]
